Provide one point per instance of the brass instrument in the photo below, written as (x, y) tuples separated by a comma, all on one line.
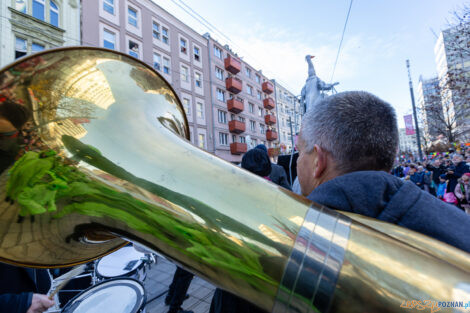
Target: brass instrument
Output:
[(109, 160)]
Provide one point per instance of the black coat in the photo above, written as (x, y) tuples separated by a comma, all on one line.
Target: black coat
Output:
[(18, 286), (458, 170), (278, 176), (385, 197)]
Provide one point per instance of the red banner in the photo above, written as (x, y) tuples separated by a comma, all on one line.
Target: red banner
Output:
[(409, 124)]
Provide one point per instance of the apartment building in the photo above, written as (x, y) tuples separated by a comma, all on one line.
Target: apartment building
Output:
[(289, 111), (430, 106), (243, 104), (453, 68), (145, 31), (30, 26)]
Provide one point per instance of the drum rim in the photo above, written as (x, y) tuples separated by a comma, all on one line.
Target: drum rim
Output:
[(144, 295), (127, 274)]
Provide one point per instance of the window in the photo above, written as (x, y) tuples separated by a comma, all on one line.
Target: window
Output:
[(234, 138), (232, 117), (241, 119), (197, 54), (218, 52), (252, 126), (258, 78), (200, 110), (261, 128), (219, 73), (183, 44), (202, 141), (220, 95), (249, 89), (157, 61), (38, 9), (20, 48), (254, 142), (21, 5), (54, 14), (198, 79), (187, 106), (247, 72), (134, 49), (184, 73), (132, 16), (251, 107), (223, 139), (166, 65), (258, 94), (165, 36), (260, 111), (242, 139), (109, 39), (108, 6), (222, 117), (156, 30), (35, 47)]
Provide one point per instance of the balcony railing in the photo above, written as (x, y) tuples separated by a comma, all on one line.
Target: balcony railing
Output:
[(233, 85), (236, 127), (269, 103), (270, 119), (267, 88), (238, 148), (235, 106), (271, 135), (232, 65)]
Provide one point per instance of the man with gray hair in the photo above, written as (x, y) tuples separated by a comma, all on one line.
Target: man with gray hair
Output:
[(347, 146)]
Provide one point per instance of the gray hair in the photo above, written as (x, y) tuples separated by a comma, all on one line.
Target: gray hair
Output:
[(358, 129)]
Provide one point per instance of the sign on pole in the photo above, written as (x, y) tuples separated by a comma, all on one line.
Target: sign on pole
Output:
[(409, 124)]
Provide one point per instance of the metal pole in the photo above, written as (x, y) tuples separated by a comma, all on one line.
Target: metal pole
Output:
[(292, 150), (418, 139)]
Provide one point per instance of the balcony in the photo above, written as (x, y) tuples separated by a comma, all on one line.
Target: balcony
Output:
[(268, 103), (271, 135), (233, 85), (267, 88), (235, 106), (274, 152), (270, 119), (236, 127), (238, 148), (232, 65)]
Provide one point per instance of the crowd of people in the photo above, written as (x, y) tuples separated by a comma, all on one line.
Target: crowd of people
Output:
[(446, 177)]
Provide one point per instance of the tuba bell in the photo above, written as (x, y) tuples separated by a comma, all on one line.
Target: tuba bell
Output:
[(110, 162)]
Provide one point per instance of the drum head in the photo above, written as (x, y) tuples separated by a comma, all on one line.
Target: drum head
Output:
[(119, 295), (119, 263)]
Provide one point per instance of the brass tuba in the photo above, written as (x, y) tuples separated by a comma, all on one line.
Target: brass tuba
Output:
[(108, 159)]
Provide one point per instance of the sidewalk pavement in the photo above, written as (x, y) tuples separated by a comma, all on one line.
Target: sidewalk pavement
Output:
[(156, 284)]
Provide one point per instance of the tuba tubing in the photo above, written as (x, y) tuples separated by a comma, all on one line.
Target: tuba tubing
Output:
[(108, 159)]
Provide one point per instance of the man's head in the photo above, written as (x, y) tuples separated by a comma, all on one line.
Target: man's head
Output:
[(456, 159), (413, 169), (347, 132), (437, 162)]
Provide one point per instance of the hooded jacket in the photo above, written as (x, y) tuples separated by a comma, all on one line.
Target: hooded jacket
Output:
[(385, 197)]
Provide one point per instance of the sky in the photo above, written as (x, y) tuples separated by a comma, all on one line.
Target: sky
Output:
[(380, 36)]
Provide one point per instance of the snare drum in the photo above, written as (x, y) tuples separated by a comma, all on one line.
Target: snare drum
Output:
[(125, 262), (118, 295)]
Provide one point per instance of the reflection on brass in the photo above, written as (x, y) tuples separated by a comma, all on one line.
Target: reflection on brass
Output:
[(109, 158)]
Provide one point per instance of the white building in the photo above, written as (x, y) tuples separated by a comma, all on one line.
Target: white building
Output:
[(31, 26), (408, 143), (288, 111), (453, 67)]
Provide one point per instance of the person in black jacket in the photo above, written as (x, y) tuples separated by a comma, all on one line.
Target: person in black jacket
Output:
[(24, 290), (278, 174), (347, 147)]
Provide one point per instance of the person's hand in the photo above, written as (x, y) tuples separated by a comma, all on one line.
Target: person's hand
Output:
[(450, 172), (40, 303)]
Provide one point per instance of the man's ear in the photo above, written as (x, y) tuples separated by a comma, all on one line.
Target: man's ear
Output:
[(320, 161)]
